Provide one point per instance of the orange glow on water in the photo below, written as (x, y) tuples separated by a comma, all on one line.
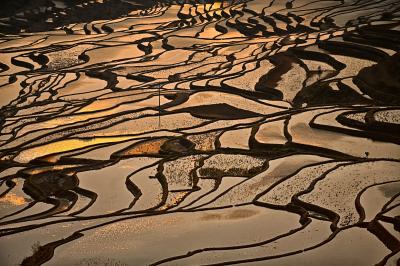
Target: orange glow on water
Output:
[(13, 199), (63, 146)]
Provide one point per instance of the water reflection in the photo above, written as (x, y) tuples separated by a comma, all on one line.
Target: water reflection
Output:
[(13, 199)]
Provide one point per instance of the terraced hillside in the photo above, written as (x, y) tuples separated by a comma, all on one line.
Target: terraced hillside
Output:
[(258, 132)]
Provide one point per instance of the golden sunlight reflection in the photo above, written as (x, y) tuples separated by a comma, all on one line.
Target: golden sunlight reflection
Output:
[(13, 199), (215, 6), (40, 170), (63, 146)]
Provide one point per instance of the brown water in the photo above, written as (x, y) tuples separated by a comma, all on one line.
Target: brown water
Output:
[(233, 132)]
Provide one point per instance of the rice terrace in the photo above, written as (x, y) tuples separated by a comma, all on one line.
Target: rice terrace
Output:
[(194, 132)]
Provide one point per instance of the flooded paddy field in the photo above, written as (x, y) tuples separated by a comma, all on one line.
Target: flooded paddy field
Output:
[(245, 132)]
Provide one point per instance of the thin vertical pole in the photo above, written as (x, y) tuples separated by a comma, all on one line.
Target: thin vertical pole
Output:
[(159, 107)]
